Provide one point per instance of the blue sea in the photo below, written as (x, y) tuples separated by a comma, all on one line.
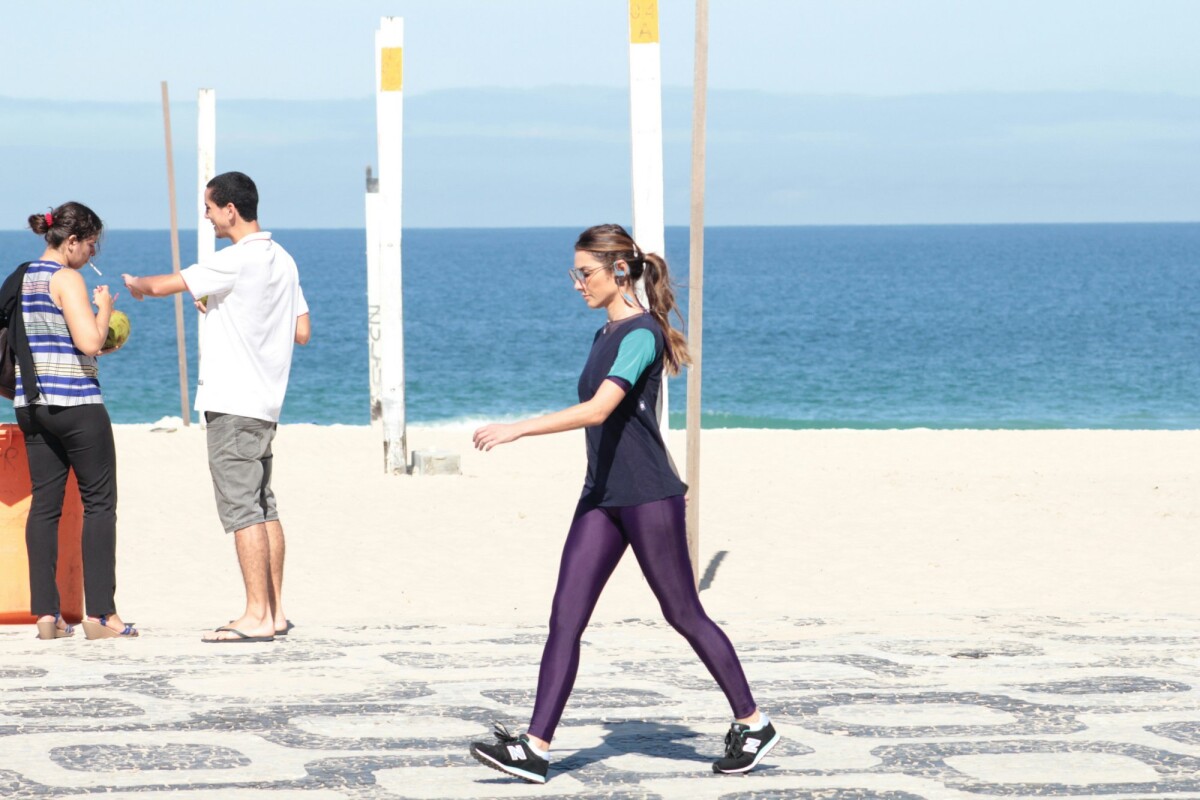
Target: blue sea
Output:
[(994, 326)]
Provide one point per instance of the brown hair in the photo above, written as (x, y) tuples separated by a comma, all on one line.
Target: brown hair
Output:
[(612, 243), (69, 219)]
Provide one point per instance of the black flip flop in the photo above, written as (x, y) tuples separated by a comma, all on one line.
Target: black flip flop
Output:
[(284, 631), (242, 638)]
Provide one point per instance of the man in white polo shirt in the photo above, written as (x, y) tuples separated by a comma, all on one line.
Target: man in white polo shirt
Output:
[(254, 311)]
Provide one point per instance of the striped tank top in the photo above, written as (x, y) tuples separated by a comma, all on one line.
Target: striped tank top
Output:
[(65, 376)]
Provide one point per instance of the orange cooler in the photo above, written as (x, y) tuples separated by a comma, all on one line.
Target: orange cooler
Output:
[(15, 495)]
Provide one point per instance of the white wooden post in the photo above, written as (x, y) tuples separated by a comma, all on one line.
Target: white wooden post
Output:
[(374, 351), (206, 149), (389, 113), (645, 115)]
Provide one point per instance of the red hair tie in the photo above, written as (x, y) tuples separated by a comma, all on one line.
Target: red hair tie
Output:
[(49, 219)]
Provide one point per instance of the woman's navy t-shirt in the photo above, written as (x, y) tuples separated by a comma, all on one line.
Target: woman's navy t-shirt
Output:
[(627, 460)]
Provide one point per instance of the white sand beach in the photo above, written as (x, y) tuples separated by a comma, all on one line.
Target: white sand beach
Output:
[(833, 522), (936, 614)]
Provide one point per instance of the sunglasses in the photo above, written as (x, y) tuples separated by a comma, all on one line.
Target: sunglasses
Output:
[(582, 276)]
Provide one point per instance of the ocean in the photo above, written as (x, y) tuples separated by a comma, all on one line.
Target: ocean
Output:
[(971, 326)]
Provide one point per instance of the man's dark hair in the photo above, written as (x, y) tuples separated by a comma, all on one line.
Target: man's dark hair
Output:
[(236, 188)]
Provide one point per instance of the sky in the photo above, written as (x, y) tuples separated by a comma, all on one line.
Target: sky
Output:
[(93, 97), (302, 49)]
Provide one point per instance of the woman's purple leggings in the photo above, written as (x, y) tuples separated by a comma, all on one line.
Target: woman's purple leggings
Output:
[(595, 544)]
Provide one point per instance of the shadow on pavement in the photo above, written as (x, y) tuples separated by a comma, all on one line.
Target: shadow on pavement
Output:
[(642, 738)]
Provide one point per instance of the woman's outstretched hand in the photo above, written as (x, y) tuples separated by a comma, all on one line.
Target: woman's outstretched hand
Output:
[(489, 436)]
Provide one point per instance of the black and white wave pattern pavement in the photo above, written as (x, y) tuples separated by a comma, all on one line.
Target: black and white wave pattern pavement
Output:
[(921, 708)]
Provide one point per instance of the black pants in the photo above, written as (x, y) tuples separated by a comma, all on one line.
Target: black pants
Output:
[(58, 438)]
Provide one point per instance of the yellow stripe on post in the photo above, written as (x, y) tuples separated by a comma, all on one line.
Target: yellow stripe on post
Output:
[(643, 21), (391, 73)]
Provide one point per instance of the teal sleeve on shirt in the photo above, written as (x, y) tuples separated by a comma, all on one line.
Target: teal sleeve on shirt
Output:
[(635, 354)]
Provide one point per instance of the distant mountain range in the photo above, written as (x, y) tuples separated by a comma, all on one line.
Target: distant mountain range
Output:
[(560, 157)]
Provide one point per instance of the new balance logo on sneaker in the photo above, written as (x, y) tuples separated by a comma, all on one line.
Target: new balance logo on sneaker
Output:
[(743, 751), (511, 755)]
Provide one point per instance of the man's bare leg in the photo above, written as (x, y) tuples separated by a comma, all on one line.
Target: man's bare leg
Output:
[(278, 550), (254, 557)]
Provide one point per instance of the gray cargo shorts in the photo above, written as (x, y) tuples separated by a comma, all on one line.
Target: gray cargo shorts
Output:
[(239, 458)]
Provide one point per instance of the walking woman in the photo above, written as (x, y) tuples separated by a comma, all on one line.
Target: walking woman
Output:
[(632, 497), (60, 410)]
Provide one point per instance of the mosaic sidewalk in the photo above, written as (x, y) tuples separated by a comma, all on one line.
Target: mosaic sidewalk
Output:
[(1000, 706)]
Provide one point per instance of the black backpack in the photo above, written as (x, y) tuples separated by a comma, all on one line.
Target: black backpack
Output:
[(10, 297)]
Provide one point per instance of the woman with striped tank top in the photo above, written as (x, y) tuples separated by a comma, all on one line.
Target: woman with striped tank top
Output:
[(61, 412)]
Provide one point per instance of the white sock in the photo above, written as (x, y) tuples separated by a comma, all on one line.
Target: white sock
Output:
[(762, 723), (533, 748)]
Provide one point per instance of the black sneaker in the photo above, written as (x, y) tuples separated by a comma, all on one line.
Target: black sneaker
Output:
[(744, 748), (511, 754)]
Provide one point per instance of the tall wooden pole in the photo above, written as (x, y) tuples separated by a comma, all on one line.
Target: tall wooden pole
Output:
[(206, 170), (389, 114), (696, 281), (646, 139), (180, 336)]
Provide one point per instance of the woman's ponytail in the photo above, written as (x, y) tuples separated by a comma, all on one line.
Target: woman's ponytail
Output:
[(660, 297)]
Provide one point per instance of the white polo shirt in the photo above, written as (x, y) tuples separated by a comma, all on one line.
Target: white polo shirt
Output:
[(249, 331)]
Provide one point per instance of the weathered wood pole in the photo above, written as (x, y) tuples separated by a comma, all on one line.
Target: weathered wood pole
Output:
[(389, 113), (180, 336), (695, 331)]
